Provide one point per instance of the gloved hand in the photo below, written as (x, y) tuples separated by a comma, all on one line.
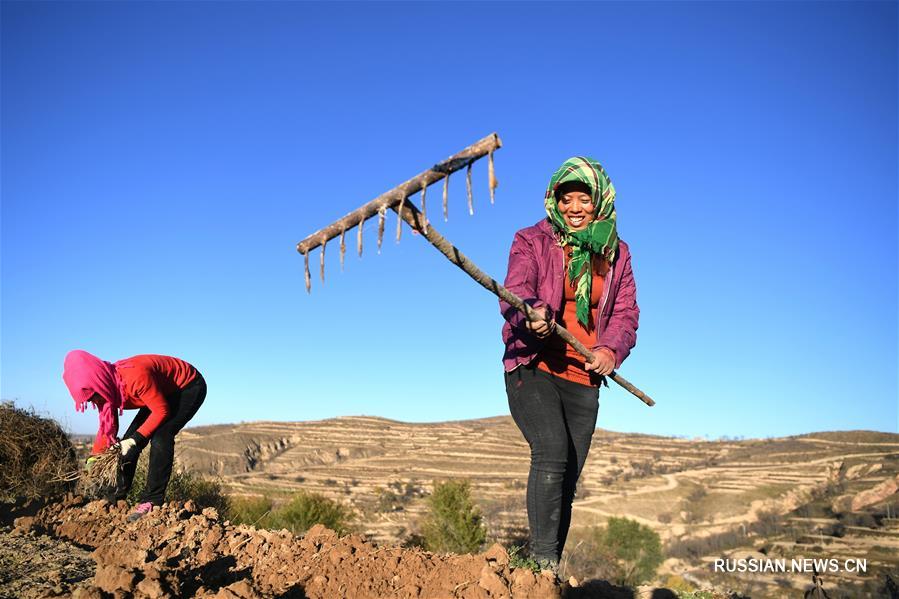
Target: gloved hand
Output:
[(132, 445), (128, 448), (89, 463)]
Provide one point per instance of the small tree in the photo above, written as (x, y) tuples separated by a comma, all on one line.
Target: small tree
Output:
[(255, 511), (306, 509), (453, 524), (635, 547)]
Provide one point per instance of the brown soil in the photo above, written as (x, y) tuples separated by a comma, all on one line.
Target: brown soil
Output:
[(178, 551), (33, 566)]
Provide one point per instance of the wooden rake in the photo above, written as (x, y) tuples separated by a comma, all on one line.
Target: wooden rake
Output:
[(397, 199)]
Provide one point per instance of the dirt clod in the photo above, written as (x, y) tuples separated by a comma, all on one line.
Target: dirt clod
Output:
[(497, 553), (491, 582)]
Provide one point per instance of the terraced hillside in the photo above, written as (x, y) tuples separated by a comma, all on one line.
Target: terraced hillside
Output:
[(799, 496)]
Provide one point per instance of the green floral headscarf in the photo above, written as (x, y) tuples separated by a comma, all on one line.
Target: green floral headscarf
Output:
[(600, 237)]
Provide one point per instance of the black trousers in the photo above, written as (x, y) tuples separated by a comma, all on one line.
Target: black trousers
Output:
[(182, 405), (557, 418)]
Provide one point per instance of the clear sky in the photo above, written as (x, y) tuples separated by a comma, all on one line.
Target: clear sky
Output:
[(161, 160)]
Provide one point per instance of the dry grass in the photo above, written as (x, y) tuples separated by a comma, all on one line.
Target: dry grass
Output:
[(36, 454)]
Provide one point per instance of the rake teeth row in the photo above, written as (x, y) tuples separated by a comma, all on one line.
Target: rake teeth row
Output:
[(382, 215), (397, 199)]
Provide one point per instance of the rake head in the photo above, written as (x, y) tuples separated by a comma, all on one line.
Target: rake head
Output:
[(397, 198)]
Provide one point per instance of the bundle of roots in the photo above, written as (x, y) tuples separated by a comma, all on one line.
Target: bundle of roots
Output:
[(36, 454), (101, 477)]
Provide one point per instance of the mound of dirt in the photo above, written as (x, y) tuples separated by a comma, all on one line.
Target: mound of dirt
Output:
[(180, 551), (35, 452)]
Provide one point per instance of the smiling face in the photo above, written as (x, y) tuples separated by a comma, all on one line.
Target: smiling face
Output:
[(576, 208)]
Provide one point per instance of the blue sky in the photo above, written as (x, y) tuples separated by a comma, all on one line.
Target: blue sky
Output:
[(161, 160)]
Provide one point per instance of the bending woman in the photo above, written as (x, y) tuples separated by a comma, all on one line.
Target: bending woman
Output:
[(572, 269), (166, 391)]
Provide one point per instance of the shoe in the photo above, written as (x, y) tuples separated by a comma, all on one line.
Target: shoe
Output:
[(140, 511)]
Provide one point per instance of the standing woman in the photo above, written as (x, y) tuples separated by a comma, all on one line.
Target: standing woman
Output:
[(166, 392), (573, 270)]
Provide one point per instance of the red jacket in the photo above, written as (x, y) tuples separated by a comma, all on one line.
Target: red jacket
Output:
[(148, 379)]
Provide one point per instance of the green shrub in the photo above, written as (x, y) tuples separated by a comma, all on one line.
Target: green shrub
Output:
[(636, 549), (255, 511), (184, 485), (519, 559), (453, 523), (306, 509)]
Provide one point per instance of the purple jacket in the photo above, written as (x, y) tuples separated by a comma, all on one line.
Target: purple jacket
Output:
[(536, 264)]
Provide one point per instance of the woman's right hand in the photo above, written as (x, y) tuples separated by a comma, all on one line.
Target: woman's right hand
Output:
[(540, 328)]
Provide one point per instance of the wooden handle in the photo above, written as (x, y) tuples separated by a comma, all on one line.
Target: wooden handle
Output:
[(392, 198)]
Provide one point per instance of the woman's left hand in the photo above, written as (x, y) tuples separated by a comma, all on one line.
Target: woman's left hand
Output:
[(604, 362), (128, 448)]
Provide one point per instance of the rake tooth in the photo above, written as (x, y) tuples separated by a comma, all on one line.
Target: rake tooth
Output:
[(382, 216), (322, 260), (424, 207), (342, 246), (468, 189), (359, 236), (399, 219), (491, 174), (308, 276), (445, 198)]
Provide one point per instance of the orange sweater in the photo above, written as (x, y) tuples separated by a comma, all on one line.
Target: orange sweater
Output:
[(148, 379), (559, 358)]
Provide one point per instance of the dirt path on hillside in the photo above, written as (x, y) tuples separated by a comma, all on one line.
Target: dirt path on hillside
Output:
[(590, 505)]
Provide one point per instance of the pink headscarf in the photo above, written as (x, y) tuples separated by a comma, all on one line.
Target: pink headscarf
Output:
[(86, 374)]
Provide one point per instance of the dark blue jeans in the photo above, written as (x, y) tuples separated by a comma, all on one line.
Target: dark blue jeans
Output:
[(183, 405), (557, 418)]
